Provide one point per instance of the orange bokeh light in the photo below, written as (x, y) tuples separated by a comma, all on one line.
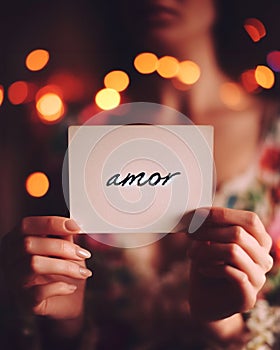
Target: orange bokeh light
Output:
[(189, 72), (50, 107), (264, 77), (37, 59), (117, 80), (18, 92), (167, 66), (248, 81), (37, 184), (146, 62), (232, 96), (1, 94), (255, 29), (107, 98)]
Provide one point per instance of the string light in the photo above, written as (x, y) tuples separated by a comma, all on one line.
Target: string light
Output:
[(255, 29), (107, 98), (264, 77), (50, 108), (248, 81), (189, 72), (117, 80), (1, 94), (146, 62), (50, 105), (167, 66), (37, 59), (37, 184), (50, 100), (18, 92)]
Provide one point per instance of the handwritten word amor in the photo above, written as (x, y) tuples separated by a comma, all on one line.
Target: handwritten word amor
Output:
[(141, 179)]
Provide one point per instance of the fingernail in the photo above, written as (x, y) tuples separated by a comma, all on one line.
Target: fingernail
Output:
[(83, 253), (85, 272), (72, 287), (271, 261), (70, 225)]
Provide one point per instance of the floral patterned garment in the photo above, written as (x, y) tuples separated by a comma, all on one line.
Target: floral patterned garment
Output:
[(258, 190)]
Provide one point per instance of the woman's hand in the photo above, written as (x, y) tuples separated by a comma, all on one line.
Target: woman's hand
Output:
[(229, 260), (44, 268)]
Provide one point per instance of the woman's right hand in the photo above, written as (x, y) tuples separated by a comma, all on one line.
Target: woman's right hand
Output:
[(44, 268)]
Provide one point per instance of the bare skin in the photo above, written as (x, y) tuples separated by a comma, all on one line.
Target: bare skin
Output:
[(49, 274), (45, 269)]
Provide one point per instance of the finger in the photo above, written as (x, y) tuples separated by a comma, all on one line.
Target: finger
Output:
[(248, 220), (45, 291), (49, 225), (40, 294), (54, 247), (229, 254), (13, 247), (41, 265), (238, 278), (236, 234)]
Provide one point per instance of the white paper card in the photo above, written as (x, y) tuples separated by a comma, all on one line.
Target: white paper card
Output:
[(138, 178)]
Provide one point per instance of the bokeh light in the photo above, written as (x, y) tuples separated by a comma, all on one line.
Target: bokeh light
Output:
[(232, 96), (146, 62), (117, 80), (264, 77), (189, 72), (37, 59), (50, 107), (1, 94), (107, 98), (248, 81), (18, 92), (273, 60), (37, 184), (167, 66), (255, 29)]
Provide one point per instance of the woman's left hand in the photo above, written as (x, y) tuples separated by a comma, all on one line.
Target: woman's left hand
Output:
[(229, 260)]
